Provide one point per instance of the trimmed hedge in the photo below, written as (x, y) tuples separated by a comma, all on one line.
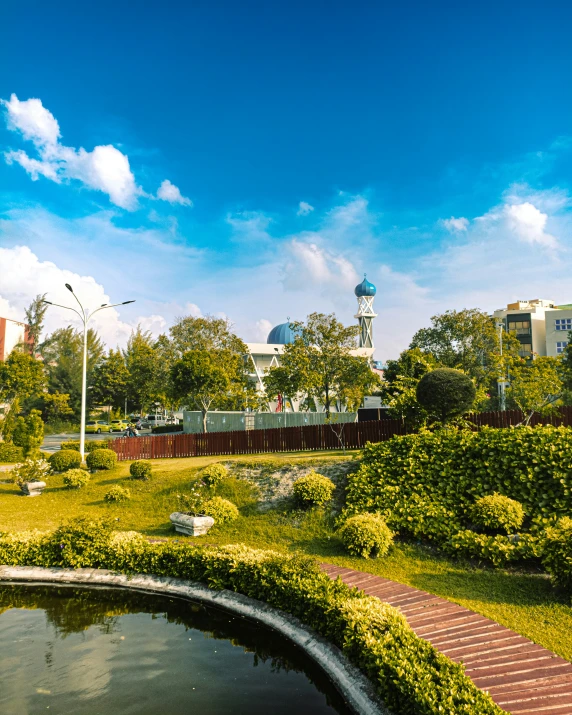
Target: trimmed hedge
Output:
[(65, 459), (141, 469), (89, 446), (117, 493), (10, 453), (366, 533), (410, 675), (221, 510), (497, 513), (213, 474), (76, 478), (101, 459), (313, 490)]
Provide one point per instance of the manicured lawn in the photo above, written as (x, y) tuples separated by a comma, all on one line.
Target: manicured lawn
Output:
[(526, 603)]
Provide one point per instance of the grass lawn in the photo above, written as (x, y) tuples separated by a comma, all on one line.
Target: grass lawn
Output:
[(524, 602)]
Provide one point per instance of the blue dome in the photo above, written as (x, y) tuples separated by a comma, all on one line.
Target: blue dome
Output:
[(281, 335), (365, 288)]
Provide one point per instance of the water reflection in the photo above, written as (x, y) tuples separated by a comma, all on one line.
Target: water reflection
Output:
[(92, 651)]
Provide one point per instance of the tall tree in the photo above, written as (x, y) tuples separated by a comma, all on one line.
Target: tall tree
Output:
[(319, 360), (142, 362), (468, 340), (63, 356), (399, 385), (21, 377), (537, 386), (35, 313), (205, 333), (110, 379)]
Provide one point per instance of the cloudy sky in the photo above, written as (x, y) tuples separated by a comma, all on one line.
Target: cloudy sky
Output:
[(255, 159)]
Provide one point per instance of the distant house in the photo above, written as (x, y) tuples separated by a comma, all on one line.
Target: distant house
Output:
[(12, 333)]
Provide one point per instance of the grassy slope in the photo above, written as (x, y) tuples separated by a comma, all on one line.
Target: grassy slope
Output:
[(524, 602)]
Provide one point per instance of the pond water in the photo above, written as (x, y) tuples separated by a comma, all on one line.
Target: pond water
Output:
[(70, 651)]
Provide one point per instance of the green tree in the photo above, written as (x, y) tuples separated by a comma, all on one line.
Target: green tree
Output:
[(29, 433), (205, 333), (56, 406), (446, 393), (63, 356), (141, 360), (110, 379), (21, 377), (537, 386), (35, 313), (320, 363), (399, 385), (282, 381), (200, 377), (356, 380), (468, 340)]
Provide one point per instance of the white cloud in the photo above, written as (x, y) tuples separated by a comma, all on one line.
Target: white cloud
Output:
[(155, 324), (311, 266), (455, 224), (263, 327), (171, 193), (104, 169), (304, 208), (32, 119), (194, 310), (529, 224)]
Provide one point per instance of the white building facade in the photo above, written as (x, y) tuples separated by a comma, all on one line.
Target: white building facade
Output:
[(540, 325)]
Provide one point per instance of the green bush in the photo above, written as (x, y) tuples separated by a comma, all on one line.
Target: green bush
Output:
[(221, 510), (28, 432), (89, 446), (10, 453), (557, 553), (76, 478), (313, 490), (141, 469), (31, 470), (496, 513), (214, 474), (117, 493), (101, 459), (408, 673), (365, 534), (500, 550), (446, 393), (64, 459)]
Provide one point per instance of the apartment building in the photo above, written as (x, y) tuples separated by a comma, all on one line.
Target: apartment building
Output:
[(12, 333), (541, 326)]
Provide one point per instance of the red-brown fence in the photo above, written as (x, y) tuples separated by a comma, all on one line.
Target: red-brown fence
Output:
[(352, 435)]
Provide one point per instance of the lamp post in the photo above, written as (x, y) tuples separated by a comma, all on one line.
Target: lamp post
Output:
[(501, 382), (85, 317)]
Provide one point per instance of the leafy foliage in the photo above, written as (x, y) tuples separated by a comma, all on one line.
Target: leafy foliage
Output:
[(445, 393), (214, 473), (89, 446), (32, 470), (35, 313), (141, 469), (142, 364), (313, 490), (536, 387), (76, 478), (29, 432), (496, 512), (56, 406), (221, 510), (364, 534), (408, 673), (101, 459), (110, 380), (399, 385), (10, 453), (557, 553), (117, 493), (65, 459)]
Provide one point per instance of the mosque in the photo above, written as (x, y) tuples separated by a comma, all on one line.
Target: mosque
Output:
[(263, 356)]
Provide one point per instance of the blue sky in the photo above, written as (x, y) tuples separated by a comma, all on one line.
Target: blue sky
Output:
[(254, 159)]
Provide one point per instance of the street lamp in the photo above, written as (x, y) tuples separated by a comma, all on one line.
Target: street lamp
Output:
[(501, 381), (85, 317)]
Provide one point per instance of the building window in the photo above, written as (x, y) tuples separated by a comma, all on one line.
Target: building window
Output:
[(519, 327), (563, 324), (560, 347), (525, 350)]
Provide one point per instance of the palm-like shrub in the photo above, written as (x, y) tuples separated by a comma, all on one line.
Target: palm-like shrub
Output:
[(214, 474), (313, 490), (141, 469), (220, 509), (117, 493), (101, 459), (496, 512), (64, 459), (365, 534), (76, 478), (446, 393)]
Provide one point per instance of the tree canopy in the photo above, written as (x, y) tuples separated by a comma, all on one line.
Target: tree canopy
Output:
[(446, 393)]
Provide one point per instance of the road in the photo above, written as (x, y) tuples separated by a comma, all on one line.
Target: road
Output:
[(52, 442)]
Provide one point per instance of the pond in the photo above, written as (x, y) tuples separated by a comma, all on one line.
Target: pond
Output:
[(77, 651)]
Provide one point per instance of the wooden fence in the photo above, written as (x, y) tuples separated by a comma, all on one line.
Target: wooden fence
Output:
[(353, 435)]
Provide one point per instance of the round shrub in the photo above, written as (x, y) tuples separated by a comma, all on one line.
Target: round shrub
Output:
[(557, 553), (497, 513), (65, 459), (220, 509), (313, 490), (10, 453), (101, 459), (446, 393), (214, 474), (365, 534), (76, 478), (117, 493), (141, 469)]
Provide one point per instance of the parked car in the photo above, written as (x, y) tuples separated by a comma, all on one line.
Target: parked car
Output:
[(97, 427), (119, 425)]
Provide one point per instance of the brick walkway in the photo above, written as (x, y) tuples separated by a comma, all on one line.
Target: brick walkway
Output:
[(521, 677)]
